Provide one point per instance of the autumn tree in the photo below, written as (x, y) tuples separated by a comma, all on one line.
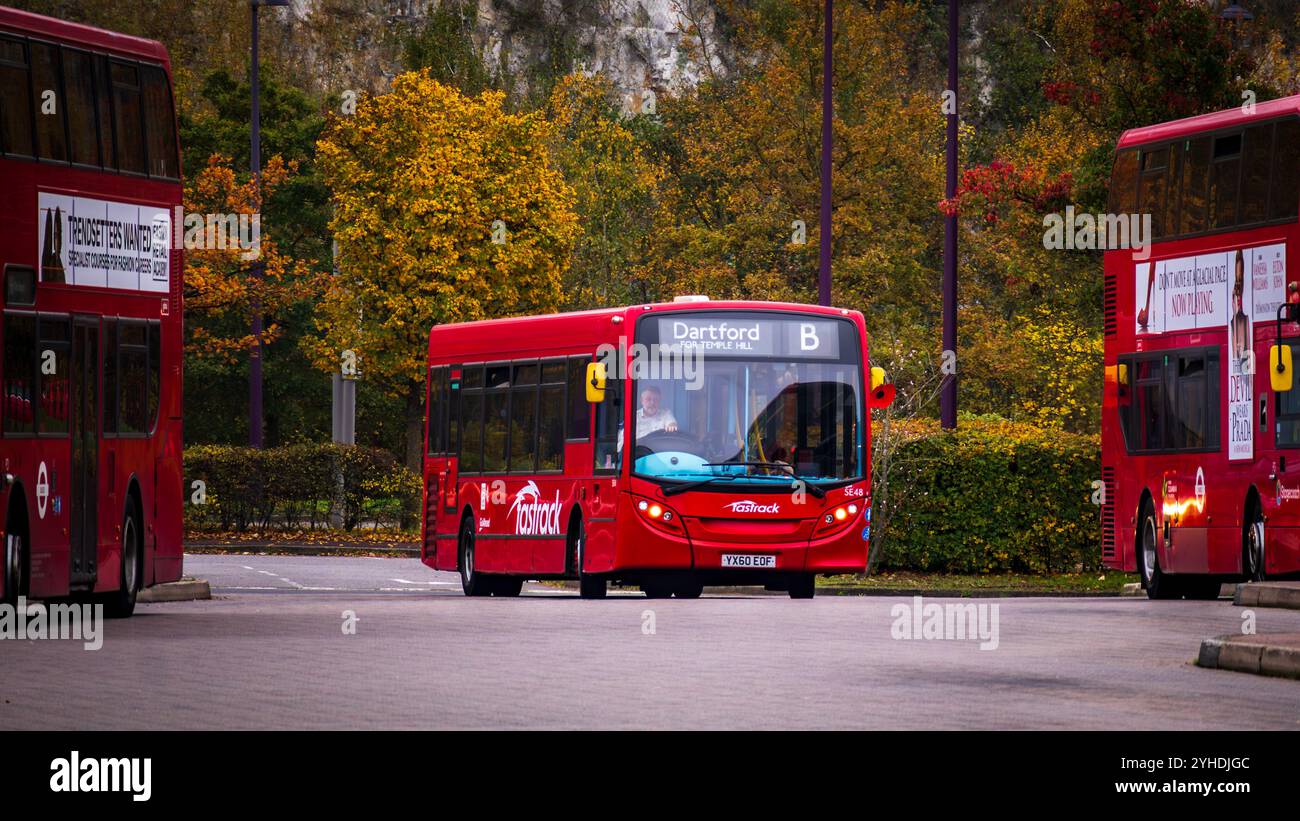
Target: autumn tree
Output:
[(447, 208)]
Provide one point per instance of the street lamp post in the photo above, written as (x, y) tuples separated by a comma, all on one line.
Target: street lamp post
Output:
[(255, 269), (828, 113), (948, 390)]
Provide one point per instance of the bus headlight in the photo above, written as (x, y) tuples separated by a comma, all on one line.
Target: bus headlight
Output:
[(659, 514), (837, 518)]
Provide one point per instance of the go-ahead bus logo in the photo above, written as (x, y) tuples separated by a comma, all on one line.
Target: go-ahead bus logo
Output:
[(534, 517)]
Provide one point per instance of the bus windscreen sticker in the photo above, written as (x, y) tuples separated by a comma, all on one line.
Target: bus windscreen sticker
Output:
[(100, 244), (1225, 289)]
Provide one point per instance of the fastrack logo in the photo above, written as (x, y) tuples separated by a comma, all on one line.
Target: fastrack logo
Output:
[(750, 506), (533, 517)]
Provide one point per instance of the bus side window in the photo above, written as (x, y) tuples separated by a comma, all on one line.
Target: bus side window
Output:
[(160, 129), (128, 117), (79, 83), (19, 373), (55, 373), (51, 108), (609, 428), (578, 425), (1286, 413), (1284, 201), (15, 99)]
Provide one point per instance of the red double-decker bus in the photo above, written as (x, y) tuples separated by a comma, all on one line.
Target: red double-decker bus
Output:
[(1199, 442), (668, 446), (90, 379)]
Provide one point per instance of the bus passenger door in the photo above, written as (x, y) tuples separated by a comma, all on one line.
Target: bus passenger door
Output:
[(602, 496), (84, 484)]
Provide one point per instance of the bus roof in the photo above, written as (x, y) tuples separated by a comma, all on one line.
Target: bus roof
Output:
[(37, 25), (1165, 132), (581, 318)]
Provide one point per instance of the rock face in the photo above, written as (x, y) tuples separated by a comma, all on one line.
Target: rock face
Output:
[(638, 44)]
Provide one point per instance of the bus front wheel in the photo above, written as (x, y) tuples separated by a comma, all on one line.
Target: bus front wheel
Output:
[(1158, 584), (803, 586), (590, 586)]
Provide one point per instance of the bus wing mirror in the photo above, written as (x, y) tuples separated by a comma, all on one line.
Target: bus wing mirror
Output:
[(595, 381), (882, 393), (877, 378), (1279, 368)]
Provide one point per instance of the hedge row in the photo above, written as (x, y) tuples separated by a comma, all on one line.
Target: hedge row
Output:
[(994, 496), (298, 486)]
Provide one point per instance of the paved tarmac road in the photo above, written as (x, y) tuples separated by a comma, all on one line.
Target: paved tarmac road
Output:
[(270, 652)]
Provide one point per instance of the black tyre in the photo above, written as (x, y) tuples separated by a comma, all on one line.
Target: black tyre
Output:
[(14, 557), (507, 585), (1252, 548), (689, 589), (657, 590), (1202, 587), (590, 586), (1157, 583), (120, 604), (803, 586), (472, 582)]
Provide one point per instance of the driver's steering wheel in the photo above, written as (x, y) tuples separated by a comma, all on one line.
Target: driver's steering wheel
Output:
[(662, 440)]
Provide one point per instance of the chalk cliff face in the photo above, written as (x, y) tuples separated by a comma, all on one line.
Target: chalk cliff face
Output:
[(637, 44)]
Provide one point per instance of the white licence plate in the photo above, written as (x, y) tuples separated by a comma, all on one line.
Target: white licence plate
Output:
[(747, 560)]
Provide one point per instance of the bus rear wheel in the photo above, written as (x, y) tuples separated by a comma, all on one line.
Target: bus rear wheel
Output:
[(472, 582), (15, 559), (120, 604), (1252, 548), (1157, 583), (689, 589)]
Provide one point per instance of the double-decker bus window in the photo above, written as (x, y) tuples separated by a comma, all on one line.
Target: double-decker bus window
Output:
[(523, 418), (51, 107), (1175, 402), (550, 417), (133, 378), (1287, 412), (1285, 197), (1254, 174), (471, 403), (1151, 191), (79, 85), (1193, 214), (15, 98), (159, 124), (1123, 183), (1173, 194), (55, 374), (1225, 169), (578, 424), (19, 373), (110, 376), (128, 117), (155, 372), (104, 97)]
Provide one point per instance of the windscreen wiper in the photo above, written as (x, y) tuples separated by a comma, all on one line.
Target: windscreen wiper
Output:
[(672, 490), (815, 490)]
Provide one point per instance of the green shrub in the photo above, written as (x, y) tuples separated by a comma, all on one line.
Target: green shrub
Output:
[(300, 486), (992, 497)]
